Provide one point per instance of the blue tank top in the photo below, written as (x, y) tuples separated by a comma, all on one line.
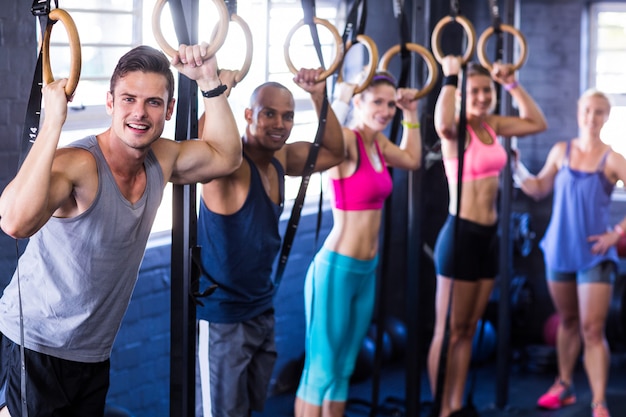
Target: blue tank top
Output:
[(580, 208), (238, 252)]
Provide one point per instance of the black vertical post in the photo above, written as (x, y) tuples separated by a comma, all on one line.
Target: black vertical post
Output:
[(503, 349), (419, 12), (183, 309)]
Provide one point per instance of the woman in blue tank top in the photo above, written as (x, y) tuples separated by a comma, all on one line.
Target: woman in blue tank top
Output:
[(579, 248)]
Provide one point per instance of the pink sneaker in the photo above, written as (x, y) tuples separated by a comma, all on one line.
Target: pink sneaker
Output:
[(599, 410), (559, 395)]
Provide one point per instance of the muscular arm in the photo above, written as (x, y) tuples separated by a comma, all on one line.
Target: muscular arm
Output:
[(218, 153), (332, 148), (41, 184)]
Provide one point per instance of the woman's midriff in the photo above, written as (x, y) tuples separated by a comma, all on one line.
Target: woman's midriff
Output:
[(355, 233), (478, 201)]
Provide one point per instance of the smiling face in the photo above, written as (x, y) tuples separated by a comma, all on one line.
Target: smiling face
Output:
[(376, 106), (593, 112), (480, 95), (270, 117), (139, 108)]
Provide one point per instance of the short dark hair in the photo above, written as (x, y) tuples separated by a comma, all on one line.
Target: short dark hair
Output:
[(145, 59)]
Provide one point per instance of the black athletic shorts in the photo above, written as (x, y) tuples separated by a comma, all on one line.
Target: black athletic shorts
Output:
[(54, 387), (477, 254)]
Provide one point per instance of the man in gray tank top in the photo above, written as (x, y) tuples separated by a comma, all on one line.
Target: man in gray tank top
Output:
[(88, 210)]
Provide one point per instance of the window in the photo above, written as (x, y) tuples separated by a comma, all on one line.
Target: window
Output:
[(269, 21), (607, 69)]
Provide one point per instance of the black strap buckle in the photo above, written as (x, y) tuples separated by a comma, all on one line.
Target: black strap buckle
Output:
[(495, 16), (41, 7), (455, 8), (231, 5)]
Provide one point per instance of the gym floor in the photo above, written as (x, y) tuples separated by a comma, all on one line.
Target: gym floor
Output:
[(529, 378)]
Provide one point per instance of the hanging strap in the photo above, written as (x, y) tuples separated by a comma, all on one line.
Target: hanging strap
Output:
[(296, 211), (455, 8), (308, 6), (40, 9), (405, 56), (496, 22), (355, 22)]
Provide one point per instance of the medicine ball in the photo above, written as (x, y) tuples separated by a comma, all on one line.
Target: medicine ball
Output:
[(483, 347)]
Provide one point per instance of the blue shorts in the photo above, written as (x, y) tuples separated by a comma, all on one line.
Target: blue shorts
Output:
[(605, 272), (54, 386), (478, 251)]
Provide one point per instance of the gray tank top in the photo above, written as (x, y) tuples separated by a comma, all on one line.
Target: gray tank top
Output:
[(77, 274)]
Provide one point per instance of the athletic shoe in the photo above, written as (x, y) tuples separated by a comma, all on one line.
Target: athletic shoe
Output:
[(599, 410), (559, 395)]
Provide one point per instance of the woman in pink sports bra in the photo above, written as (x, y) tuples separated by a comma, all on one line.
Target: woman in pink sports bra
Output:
[(340, 283), (473, 265)]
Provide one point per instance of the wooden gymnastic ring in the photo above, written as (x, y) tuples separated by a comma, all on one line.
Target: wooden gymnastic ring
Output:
[(482, 46), (469, 31), (243, 71), (216, 43), (433, 72), (338, 43), (75, 52), (245, 67), (372, 50)]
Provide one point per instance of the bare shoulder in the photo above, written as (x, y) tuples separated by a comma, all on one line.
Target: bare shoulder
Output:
[(615, 159), (75, 177), (75, 162), (556, 156), (166, 148)]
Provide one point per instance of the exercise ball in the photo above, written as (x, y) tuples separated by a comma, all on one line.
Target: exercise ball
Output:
[(550, 328), (621, 247), (114, 411), (483, 347), (397, 331), (387, 345), (364, 365)]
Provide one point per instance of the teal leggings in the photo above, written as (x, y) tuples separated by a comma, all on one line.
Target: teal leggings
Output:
[(339, 294)]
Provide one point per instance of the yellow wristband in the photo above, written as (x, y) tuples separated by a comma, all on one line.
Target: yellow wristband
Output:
[(410, 125)]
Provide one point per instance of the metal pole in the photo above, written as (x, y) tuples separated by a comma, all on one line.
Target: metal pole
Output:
[(183, 309), (420, 12), (503, 349)]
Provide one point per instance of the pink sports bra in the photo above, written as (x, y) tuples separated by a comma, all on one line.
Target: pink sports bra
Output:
[(480, 160), (366, 188)]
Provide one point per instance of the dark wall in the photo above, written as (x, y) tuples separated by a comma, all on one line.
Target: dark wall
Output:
[(17, 62)]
